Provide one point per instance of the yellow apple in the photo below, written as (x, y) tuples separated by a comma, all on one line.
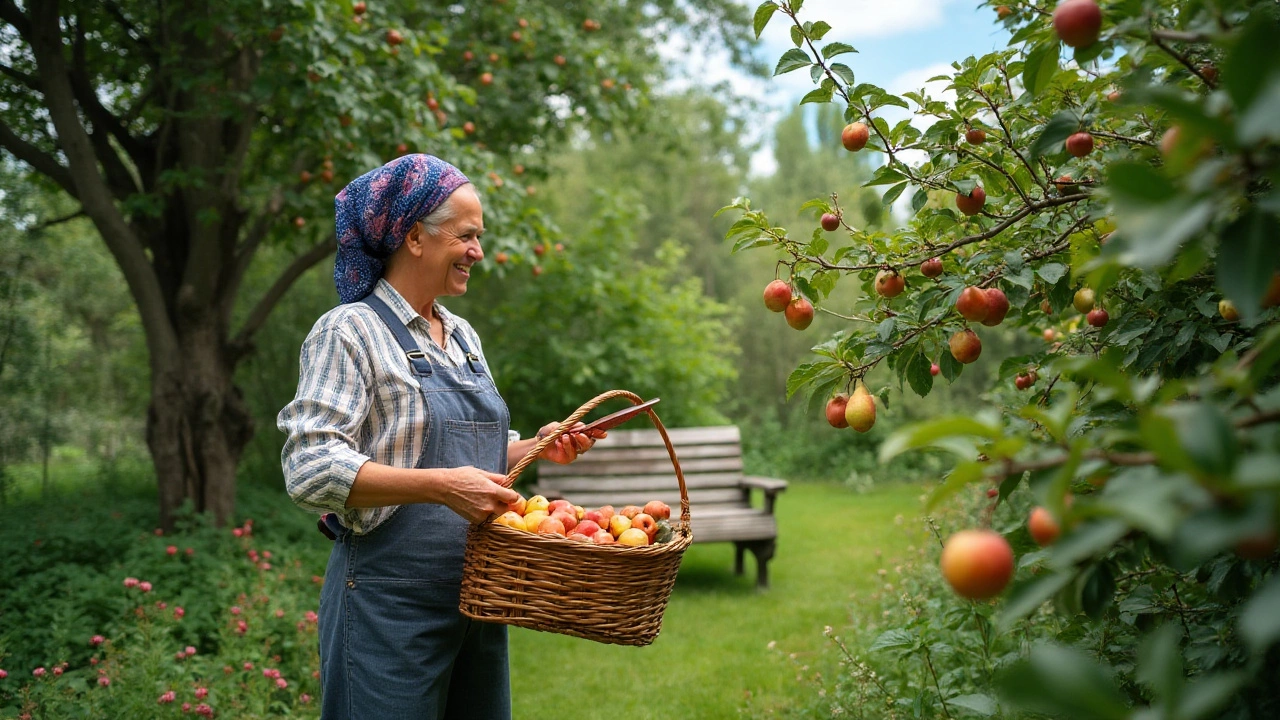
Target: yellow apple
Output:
[(635, 537), (511, 520), (518, 507), (536, 503), (551, 526), (619, 524), (533, 519)]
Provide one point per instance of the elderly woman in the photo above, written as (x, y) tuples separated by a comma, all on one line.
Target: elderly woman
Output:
[(399, 433)]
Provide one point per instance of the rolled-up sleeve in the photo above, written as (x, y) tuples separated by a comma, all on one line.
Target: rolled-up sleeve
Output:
[(321, 424)]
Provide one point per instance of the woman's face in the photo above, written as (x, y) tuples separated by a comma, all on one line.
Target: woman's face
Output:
[(449, 251)]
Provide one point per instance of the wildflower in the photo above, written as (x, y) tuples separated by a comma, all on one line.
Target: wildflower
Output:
[(279, 613), (190, 552), (271, 673), (178, 612), (179, 656), (235, 610), (186, 707), (161, 605), (282, 683), (242, 627), (237, 532), (202, 693), (190, 651), (166, 698), (304, 698), (3, 673), (130, 582), (311, 616), (266, 554), (104, 681), (97, 640), (252, 555), (144, 586), (57, 671), (248, 666), (205, 710), (38, 672), (171, 550), (264, 566), (93, 661)]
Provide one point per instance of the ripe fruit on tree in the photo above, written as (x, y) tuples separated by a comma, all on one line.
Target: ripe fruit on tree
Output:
[(889, 283), (965, 346), (1084, 300), (799, 313), (1043, 528), (1080, 144), (522, 23), (1114, 96), (1003, 11), (777, 295), (327, 175), (997, 307), (931, 268), (560, 60), (1066, 185), (972, 304), (860, 411), (468, 127), (299, 221), (978, 564), (1023, 381), (394, 37), (1078, 22), (537, 270), (1097, 317), (854, 137), (972, 203), (1209, 72), (304, 177), (486, 78), (358, 7), (607, 83), (590, 25), (501, 257), (835, 411), (934, 369), (975, 136), (1228, 311), (401, 149), (830, 222)]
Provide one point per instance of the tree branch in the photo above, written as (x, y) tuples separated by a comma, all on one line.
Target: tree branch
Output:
[(258, 316), (253, 239), (39, 160)]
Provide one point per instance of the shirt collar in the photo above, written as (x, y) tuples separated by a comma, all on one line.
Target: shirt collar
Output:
[(405, 312)]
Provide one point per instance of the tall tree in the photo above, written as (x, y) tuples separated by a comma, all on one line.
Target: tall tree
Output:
[(192, 133)]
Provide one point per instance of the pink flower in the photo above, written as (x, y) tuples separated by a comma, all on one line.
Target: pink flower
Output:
[(204, 710), (161, 604), (279, 613), (304, 698), (97, 640), (57, 671), (190, 552), (202, 693), (302, 627), (178, 612), (186, 707), (248, 666), (252, 555), (179, 656), (144, 586), (171, 550), (166, 698), (3, 674), (266, 554), (93, 661), (131, 582), (237, 532), (235, 610), (190, 651), (265, 566), (242, 627), (282, 683), (38, 672), (311, 616), (104, 681)]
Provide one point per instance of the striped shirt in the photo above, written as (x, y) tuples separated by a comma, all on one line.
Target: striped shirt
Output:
[(358, 400)]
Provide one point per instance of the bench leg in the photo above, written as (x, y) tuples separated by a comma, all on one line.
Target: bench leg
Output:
[(763, 551), (739, 549)]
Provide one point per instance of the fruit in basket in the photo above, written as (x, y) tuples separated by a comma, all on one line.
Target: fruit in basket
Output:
[(619, 524), (596, 517), (646, 524), (578, 537), (665, 532), (587, 527), (607, 511), (566, 518), (603, 537), (511, 520), (534, 519), (629, 511), (551, 526), (518, 507), (657, 510), (579, 512), (634, 537), (536, 503), (559, 505)]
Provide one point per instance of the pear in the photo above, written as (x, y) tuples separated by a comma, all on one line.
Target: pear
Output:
[(860, 411)]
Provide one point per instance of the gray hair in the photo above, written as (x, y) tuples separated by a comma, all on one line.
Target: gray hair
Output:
[(432, 221)]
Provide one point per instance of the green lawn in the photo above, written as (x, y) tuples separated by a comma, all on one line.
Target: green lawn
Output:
[(712, 659)]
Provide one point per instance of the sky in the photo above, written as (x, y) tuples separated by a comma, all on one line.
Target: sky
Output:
[(900, 43)]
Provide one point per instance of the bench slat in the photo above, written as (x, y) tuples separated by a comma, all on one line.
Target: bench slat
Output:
[(649, 483), (680, 437), (650, 467), (618, 499), (599, 453)]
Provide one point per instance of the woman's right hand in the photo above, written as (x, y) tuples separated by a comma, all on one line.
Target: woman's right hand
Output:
[(476, 494)]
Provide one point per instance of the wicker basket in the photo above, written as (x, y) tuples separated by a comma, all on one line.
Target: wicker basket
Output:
[(606, 593)]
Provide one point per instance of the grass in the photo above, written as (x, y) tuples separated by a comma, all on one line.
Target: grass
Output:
[(713, 658)]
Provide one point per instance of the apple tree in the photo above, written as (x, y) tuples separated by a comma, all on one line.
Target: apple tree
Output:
[(1107, 185), (194, 133)]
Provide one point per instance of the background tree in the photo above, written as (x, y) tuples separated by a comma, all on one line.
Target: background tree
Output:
[(193, 134)]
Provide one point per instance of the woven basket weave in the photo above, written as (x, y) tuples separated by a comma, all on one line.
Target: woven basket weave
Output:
[(606, 593)]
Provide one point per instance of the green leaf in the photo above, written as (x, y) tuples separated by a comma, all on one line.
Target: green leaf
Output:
[(959, 477), (965, 186), (1247, 258), (892, 193), (797, 35), (893, 639), (819, 30), (1259, 624), (1261, 122), (983, 705), (1027, 597), (844, 72), (763, 14), (951, 368), (1098, 590), (1206, 695), (1040, 67), (885, 175), (1160, 664), (1051, 272), (926, 433), (793, 59), (1055, 132), (885, 330), (831, 50), (1248, 64), (1206, 436), (817, 95), (1057, 680), (919, 200), (918, 375)]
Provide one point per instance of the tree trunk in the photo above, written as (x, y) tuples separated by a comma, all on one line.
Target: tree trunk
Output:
[(197, 426)]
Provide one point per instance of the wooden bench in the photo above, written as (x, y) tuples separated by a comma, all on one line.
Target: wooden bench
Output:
[(632, 467)]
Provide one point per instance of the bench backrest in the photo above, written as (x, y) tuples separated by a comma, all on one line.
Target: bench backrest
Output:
[(632, 467)]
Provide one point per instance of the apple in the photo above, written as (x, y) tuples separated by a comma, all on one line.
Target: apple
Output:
[(965, 346), (931, 268), (1003, 11), (394, 37), (468, 56), (512, 520), (608, 512), (1079, 144), (646, 524), (777, 295), (326, 175), (607, 83), (1078, 22), (978, 564), (972, 203), (501, 257), (516, 36), (630, 511), (537, 270), (578, 512), (633, 537), (520, 506), (560, 60), (551, 526), (590, 25), (657, 510), (358, 7), (1228, 311), (401, 149), (854, 136), (1023, 381), (603, 537), (1097, 317), (1271, 297), (486, 78), (596, 517), (468, 127), (619, 524), (860, 411), (533, 519), (522, 23), (517, 169), (536, 503), (566, 519), (1066, 186), (579, 537), (1084, 300), (889, 283), (934, 369), (1114, 96), (830, 222), (432, 103), (835, 411), (1043, 528), (972, 304), (555, 505), (993, 492), (587, 527), (304, 177), (975, 136), (299, 221), (799, 313), (997, 307)]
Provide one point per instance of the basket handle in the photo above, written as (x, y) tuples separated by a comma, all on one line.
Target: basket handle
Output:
[(581, 412)]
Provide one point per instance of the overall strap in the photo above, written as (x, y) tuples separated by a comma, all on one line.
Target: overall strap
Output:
[(473, 360), (417, 359)]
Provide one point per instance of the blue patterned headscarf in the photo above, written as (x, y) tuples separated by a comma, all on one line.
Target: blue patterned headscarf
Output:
[(377, 209)]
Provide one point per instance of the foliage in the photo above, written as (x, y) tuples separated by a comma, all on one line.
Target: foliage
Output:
[(1160, 421)]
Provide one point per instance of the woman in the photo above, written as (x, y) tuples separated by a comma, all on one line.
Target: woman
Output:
[(398, 431)]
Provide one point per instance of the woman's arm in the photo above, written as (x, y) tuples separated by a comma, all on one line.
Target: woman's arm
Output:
[(564, 450), (471, 492)]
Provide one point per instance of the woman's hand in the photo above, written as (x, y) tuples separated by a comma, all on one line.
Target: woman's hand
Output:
[(570, 445), (476, 494)]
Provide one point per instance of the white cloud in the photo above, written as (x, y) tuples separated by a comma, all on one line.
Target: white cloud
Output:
[(859, 19)]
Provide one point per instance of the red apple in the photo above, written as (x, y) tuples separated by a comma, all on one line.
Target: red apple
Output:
[(1049, 335), (975, 136), (1078, 22), (1097, 317), (931, 268), (551, 526), (597, 517), (777, 295), (646, 524), (630, 511), (997, 307), (658, 510), (830, 222), (978, 564), (1023, 381), (972, 304), (854, 136), (394, 37), (468, 127), (799, 313), (1043, 528), (537, 270), (972, 203), (304, 177), (486, 78), (560, 60), (401, 149), (299, 221), (468, 56), (566, 519), (432, 103), (934, 369), (965, 346), (358, 7), (1003, 11), (889, 283), (501, 258), (555, 505), (603, 537), (587, 527), (522, 23), (835, 411), (1080, 144), (326, 175), (1066, 185)]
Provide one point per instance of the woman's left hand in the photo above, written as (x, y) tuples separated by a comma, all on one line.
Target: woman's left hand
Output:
[(570, 445)]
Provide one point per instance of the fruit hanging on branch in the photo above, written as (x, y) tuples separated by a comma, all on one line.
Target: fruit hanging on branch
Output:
[(972, 203), (777, 295), (830, 222), (965, 346), (860, 410), (972, 304), (978, 564), (1079, 144), (997, 307), (889, 284), (931, 268), (799, 313), (854, 137), (1078, 22), (836, 411)]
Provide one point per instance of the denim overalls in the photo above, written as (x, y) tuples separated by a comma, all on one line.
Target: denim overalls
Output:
[(392, 642)]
